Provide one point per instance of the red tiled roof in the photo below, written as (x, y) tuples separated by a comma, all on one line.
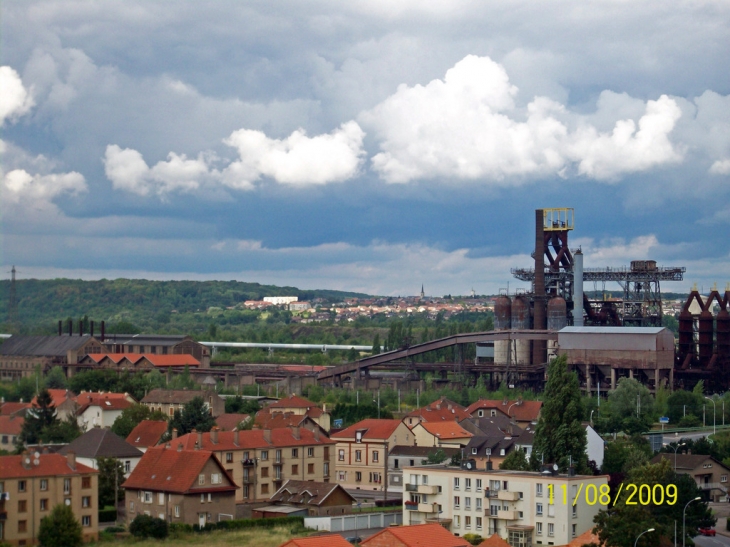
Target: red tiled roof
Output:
[(292, 402), (170, 470), (11, 467), (158, 360), (147, 433), (586, 537), (329, 540), (283, 437), (59, 396), (494, 541), (442, 413), (229, 421), (376, 429), (107, 401), (11, 425), (421, 535), (276, 420), (525, 411), (11, 408), (446, 430)]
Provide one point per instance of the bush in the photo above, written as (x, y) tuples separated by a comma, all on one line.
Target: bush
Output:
[(144, 526), (115, 529), (474, 539), (689, 420), (60, 528), (108, 515)]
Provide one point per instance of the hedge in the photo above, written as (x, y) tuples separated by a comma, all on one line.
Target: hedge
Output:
[(249, 523), (107, 515)]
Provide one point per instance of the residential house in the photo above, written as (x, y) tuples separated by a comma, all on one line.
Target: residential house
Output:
[(422, 535), (62, 400), (300, 406), (525, 508), (441, 434), (14, 409), (231, 421), (180, 486), (327, 540), (34, 483), (523, 412), (103, 443), (10, 427), (261, 460), (146, 434), (495, 437), (317, 499), (170, 400), (438, 411), (276, 420), (98, 409), (709, 474), (362, 451)]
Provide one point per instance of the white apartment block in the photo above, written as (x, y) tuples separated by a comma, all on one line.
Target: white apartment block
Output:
[(279, 300), (516, 505)]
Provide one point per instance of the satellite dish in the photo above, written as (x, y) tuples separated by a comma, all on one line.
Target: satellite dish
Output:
[(37, 455), (468, 465), (555, 466), (68, 501), (36, 462), (27, 461)]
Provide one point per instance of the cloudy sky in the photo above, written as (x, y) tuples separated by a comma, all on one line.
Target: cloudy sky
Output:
[(368, 145)]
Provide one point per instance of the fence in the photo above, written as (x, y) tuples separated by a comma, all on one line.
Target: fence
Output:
[(359, 521)]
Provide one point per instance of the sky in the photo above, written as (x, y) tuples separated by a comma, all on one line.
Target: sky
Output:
[(369, 145)]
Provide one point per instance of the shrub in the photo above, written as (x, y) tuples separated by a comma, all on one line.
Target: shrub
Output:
[(60, 528), (144, 526), (108, 515), (474, 539)]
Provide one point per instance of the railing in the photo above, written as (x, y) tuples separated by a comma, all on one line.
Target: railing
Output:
[(411, 506), (248, 462)]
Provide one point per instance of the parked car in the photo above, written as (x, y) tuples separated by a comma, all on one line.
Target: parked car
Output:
[(358, 539), (707, 531)]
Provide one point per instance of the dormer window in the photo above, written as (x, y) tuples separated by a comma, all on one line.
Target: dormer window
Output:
[(481, 413)]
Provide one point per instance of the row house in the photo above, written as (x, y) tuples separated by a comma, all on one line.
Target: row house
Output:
[(32, 484), (363, 449), (525, 508), (262, 460), (180, 486)]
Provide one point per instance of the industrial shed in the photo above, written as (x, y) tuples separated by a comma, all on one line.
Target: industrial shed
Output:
[(606, 354)]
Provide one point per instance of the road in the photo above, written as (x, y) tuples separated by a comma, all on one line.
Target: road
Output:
[(717, 541)]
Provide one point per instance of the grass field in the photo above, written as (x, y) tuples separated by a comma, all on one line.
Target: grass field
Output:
[(254, 537)]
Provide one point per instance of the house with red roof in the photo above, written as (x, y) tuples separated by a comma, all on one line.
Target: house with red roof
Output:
[(442, 410), (441, 434), (147, 434), (10, 427), (13, 408), (230, 421), (170, 400), (35, 483), (418, 535), (327, 540), (261, 460), (362, 451), (523, 412), (62, 400), (100, 409), (180, 486), (297, 406)]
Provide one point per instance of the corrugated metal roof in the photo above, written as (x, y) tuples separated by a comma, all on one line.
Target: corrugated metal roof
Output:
[(46, 346), (612, 330)]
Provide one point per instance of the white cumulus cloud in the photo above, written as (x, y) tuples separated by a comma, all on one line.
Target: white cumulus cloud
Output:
[(720, 167), (15, 100), (36, 192), (468, 126)]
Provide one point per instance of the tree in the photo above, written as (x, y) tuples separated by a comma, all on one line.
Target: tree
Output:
[(436, 457), (144, 526), (108, 483), (515, 461), (56, 378), (633, 405), (37, 420), (239, 405), (376, 344), (683, 403), (194, 415), (559, 436), (60, 528), (132, 416), (183, 380)]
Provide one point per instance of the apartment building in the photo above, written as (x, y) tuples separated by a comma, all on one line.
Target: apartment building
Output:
[(363, 449), (524, 508), (32, 484), (170, 400), (261, 460)]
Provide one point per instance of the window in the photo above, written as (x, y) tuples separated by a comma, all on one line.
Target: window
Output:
[(44, 505), (201, 478), (215, 478), (575, 511), (467, 522), (479, 523), (128, 466), (538, 509), (358, 476), (457, 502), (467, 504), (160, 498), (575, 530), (277, 456), (501, 451), (310, 452), (210, 497), (505, 485), (294, 452), (375, 456), (341, 455), (44, 484), (86, 520), (148, 497), (66, 486), (229, 457), (474, 451), (457, 521), (22, 526), (326, 469), (520, 515), (202, 498), (21, 486), (294, 469), (538, 490), (538, 528), (358, 455), (456, 483), (22, 506), (264, 488), (264, 472), (86, 501), (246, 455), (177, 510), (264, 455), (131, 507), (310, 469), (481, 413), (467, 484), (551, 510), (551, 529), (493, 510), (479, 485), (723, 478)]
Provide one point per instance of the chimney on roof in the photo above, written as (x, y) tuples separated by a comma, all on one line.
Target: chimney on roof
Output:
[(179, 447), (25, 459), (167, 445), (267, 435), (505, 401), (174, 433), (235, 436), (213, 435), (295, 432), (71, 459), (199, 441), (316, 434)]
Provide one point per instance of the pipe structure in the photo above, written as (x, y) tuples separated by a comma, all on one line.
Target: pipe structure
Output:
[(321, 347), (578, 289), (540, 354)]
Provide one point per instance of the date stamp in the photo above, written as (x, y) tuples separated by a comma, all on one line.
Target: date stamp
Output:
[(635, 494)]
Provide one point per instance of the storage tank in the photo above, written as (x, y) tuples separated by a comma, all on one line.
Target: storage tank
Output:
[(502, 321), (557, 312), (521, 321)]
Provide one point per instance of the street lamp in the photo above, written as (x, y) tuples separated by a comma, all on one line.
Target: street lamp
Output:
[(591, 418), (714, 408), (675, 453), (641, 534), (683, 515)]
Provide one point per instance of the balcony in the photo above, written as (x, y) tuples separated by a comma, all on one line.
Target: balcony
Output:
[(507, 515), (248, 463), (248, 479), (422, 488), (421, 507), (411, 505), (504, 495)]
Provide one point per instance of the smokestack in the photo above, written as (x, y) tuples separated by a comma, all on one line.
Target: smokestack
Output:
[(60, 328), (235, 436), (540, 346), (102, 331), (70, 327), (174, 432), (81, 327), (91, 331), (578, 288)]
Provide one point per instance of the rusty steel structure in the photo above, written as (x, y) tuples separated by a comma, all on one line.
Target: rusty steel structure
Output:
[(703, 351)]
